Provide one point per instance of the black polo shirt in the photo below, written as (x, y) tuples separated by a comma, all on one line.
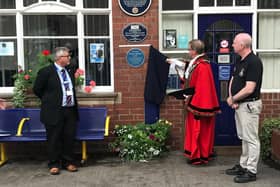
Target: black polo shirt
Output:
[(248, 69)]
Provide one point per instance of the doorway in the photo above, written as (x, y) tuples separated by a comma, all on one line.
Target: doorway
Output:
[(218, 31)]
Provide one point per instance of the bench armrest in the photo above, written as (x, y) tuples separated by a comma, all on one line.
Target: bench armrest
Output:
[(20, 126), (107, 124)]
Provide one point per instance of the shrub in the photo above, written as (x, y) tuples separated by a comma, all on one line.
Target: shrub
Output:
[(24, 80), (265, 136), (141, 141)]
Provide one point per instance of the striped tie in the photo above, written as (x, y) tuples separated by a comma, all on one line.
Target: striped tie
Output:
[(66, 86)]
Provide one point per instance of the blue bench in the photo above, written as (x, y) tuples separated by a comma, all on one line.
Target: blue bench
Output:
[(23, 125)]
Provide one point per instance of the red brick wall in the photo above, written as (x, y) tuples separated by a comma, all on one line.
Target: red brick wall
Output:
[(271, 105), (128, 80)]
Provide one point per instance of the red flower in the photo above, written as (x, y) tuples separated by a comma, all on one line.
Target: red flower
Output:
[(46, 52), (26, 77), (76, 75), (80, 71), (92, 83), (152, 137), (20, 71), (88, 89)]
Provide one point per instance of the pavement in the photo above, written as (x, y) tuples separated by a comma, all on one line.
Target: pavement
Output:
[(108, 170)]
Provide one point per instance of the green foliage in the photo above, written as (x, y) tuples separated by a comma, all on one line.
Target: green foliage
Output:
[(79, 77), (19, 94), (141, 141), (265, 136), (24, 80)]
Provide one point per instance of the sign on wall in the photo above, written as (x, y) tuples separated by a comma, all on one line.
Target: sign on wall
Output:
[(135, 57), (135, 7), (224, 73), (96, 51), (135, 32), (6, 48)]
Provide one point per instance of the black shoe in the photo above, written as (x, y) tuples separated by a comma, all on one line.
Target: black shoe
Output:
[(246, 177), (195, 161), (236, 170)]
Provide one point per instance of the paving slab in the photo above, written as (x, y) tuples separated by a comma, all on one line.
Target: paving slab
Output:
[(108, 170)]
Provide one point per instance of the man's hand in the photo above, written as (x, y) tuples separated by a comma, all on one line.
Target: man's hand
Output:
[(230, 101), (186, 98), (234, 106)]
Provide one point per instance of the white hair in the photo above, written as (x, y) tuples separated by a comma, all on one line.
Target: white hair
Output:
[(59, 51)]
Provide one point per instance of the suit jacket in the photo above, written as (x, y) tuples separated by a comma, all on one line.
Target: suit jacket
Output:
[(47, 87)]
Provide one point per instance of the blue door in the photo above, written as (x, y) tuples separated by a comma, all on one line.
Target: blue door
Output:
[(218, 32)]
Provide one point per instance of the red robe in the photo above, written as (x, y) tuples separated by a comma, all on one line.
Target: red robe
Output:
[(202, 108)]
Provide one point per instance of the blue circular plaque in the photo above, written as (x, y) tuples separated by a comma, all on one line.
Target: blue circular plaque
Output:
[(135, 7), (135, 32), (135, 57)]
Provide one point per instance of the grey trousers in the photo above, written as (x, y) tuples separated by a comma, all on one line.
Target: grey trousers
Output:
[(247, 125)]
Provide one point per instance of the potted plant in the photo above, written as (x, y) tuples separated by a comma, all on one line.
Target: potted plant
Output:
[(141, 142)]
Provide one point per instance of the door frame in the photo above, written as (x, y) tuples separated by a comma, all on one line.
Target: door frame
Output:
[(228, 134)]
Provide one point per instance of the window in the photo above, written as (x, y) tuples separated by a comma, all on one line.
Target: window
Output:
[(30, 2), (177, 5), (97, 62), (57, 26), (32, 47), (8, 26), (181, 25), (206, 2), (8, 50), (224, 3), (271, 69), (50, 25), (218, 3), (42, 30), (242, 2), (69, 2), (268, 4), (7, 4), (95, 3), (96, 25), (268, 47)]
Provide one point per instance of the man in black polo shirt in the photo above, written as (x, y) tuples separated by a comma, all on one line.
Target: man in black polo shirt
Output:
[(244, 97)]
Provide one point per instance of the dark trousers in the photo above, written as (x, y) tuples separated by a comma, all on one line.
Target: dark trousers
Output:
[(61, 139)]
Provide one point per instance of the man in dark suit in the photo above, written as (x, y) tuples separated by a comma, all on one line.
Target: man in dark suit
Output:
[(55, 86)]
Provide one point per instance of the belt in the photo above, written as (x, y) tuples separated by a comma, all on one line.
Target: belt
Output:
[(249, 99)]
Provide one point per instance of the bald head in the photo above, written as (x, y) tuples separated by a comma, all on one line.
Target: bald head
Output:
[(242, 44), (245, 39)]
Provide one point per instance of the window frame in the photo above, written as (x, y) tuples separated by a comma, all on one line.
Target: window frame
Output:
[(63, 9)]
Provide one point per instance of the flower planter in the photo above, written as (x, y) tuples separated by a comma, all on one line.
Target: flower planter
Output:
[(275, 145)]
